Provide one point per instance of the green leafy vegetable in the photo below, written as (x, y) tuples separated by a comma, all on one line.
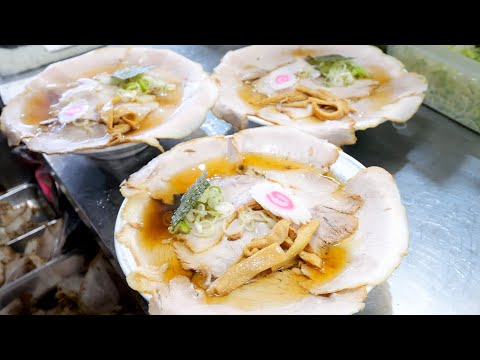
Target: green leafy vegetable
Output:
[(140, 82), (306, 72), (143, 83), (338, 70), (130, 72), (358, 71), (147, 85), (189, 199), (183, 228), (131, 86), (471, 51), (451, 90)]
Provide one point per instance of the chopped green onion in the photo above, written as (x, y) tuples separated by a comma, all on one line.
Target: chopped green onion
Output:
[(131, 86), (211, 191), (130, 72), (358, 71), (143, 83), (208, 209), (183, 228), (213, 202), (224, 209), (190, 198), (215, 189), (306, 72), (338, 70), (302, 74), (471, 51)]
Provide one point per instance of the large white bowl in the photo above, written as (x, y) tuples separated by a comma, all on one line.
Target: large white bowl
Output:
[(343, 169)]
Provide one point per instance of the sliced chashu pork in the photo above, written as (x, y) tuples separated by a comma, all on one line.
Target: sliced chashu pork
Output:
[(217, 259), (276, 294), (337, 221), (398, 106), (329, 203), (153, 181), (314, 187), (359, 89), (381, 240), (374, 253), (282, 142), (396, 100), (155, 177), (289, 144), (199, 94), (338, 132), (265, 84), (152, 257), (334, 227)]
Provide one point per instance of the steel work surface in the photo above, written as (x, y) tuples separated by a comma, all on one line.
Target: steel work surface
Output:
[(436, 164)]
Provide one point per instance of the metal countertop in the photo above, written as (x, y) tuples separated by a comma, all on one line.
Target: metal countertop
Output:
[(435, 161)]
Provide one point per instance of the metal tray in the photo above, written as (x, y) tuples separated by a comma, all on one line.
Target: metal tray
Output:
[(54, 232), (30, 193), (72, 283), (33, 250), (41, 280)]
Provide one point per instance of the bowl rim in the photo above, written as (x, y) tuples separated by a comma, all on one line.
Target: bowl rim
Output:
[(344, 168), (112, 148)]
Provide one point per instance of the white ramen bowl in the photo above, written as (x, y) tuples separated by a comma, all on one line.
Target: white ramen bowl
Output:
[(343, 169)]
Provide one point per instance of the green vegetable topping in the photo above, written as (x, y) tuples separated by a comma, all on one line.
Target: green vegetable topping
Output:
[(189, 200), (130, 72), (305, 73), (131, 86), (143, 83), (201, 207), (182, 228), (471, 51), (451, 89), (338, 70)]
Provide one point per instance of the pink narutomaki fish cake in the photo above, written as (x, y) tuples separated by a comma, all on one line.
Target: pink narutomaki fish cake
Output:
[(281, 202)]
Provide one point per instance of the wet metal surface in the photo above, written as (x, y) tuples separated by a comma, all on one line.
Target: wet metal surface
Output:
[(436, 163)]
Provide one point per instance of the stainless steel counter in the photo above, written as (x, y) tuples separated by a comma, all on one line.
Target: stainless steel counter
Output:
[(436, 163)]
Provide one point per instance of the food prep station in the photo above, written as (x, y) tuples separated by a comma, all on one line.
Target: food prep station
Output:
[(50, 261), (435, 161)]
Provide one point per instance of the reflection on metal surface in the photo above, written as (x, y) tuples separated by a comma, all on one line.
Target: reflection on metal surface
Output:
[(379, 301), (436, 164), (399, 126)]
